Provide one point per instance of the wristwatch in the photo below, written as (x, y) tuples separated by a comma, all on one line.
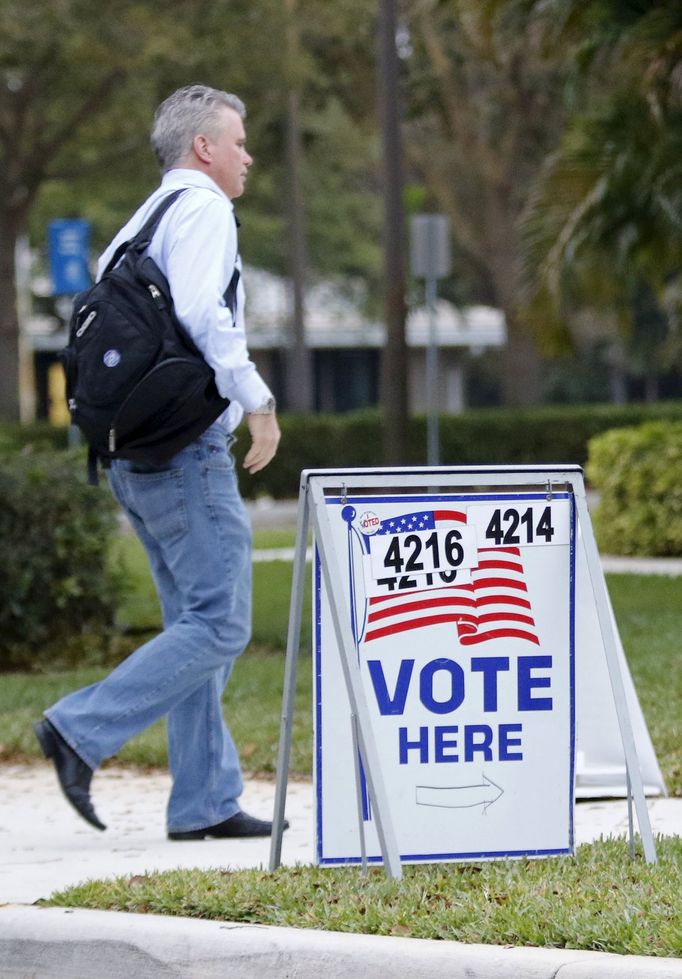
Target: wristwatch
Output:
[(267, 408)]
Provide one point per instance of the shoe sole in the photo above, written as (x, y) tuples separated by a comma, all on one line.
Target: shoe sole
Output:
[(202, 834)]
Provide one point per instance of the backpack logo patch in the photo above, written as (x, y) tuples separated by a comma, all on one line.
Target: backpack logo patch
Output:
[(111, 358)]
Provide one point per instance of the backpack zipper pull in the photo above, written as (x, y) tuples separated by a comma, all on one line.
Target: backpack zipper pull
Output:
[(156, 295), (112, 440), (86, 323)]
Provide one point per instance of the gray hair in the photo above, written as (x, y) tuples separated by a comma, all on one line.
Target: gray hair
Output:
[(188, 112)]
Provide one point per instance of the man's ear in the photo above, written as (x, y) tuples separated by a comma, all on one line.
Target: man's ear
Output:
[(202, 148)]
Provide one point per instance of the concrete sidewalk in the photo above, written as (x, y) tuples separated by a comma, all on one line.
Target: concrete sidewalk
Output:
[(46, 847)]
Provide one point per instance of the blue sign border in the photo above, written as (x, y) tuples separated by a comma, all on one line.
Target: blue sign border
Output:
[(317, 583)]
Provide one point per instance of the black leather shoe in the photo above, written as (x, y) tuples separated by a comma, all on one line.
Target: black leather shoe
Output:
[(73, 774), (239, 825)]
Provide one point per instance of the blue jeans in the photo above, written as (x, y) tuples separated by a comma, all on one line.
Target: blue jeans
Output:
[(195, 529)]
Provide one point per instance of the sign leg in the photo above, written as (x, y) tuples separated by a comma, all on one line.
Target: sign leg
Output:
[(358, 792), (606, 626), (290, 671), (370, 758)]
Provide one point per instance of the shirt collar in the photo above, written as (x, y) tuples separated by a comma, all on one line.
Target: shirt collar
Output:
[(180, 177)]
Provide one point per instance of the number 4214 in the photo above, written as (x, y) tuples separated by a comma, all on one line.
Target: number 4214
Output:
[(513, 526)]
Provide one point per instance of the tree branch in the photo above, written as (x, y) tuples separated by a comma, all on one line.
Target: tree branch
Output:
[(47, 150), (78, 170), (460, 105)]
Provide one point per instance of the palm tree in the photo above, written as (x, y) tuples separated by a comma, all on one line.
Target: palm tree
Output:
[(604, 226)]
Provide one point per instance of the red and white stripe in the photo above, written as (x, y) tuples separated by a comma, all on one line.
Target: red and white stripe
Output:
[(495, 604)]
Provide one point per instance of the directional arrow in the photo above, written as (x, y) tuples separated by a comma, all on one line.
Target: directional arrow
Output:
[(460, 796)]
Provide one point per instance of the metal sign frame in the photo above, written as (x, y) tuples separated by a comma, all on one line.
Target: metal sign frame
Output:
[(314, 484)]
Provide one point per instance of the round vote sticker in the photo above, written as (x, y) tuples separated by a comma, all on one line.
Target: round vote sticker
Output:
[(369, 522), (112, 358)]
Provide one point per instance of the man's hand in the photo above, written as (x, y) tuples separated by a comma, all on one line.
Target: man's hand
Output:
[(265, 436)]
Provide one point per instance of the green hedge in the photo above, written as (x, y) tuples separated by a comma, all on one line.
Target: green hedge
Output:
[(638, 474), (497, 436), (57, 590), (38, 436)]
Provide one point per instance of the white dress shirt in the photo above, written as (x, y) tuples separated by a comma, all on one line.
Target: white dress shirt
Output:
[(195, 246)]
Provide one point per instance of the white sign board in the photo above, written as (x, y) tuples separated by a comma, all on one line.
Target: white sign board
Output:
[(462, 611)]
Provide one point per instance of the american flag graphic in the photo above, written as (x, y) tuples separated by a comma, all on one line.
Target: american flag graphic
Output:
[(492, 605)]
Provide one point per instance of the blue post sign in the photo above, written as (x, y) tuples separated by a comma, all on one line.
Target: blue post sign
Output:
[(68, 240)]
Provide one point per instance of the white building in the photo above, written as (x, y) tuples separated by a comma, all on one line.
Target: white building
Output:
[(346, 344)]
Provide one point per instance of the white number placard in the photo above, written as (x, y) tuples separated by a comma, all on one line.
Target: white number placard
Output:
[(515, 524), (420, 552)]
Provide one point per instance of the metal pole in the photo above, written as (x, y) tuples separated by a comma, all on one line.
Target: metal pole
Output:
[(432, 432)]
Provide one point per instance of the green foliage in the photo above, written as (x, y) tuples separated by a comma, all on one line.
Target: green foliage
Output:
[(604, 222), (638, 473), (57, 592), (599, 900), (492, 436), (218, 44), (39, 436)]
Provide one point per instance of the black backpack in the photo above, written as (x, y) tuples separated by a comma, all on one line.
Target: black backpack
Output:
[(136, 384)]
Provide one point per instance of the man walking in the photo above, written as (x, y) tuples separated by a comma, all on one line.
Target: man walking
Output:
[(188, 514)]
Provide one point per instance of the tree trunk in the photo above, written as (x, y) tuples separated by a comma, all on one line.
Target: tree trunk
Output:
[(521, 379), (521, 364), (298, 381), (10, 398), (394, 359), (299, 386)]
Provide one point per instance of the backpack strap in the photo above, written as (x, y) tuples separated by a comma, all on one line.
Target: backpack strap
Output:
[(144, 236), (230, 294), (92, 467)]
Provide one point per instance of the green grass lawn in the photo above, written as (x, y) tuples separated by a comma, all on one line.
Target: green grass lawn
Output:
[(254, 697), (600, 899), (648, 611)]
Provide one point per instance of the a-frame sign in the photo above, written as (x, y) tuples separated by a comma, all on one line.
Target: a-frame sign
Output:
[(445, 650)]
